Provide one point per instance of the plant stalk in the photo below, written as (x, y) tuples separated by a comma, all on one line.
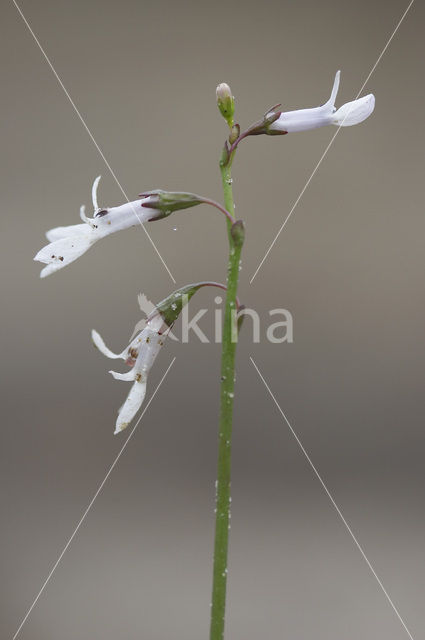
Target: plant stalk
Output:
[(223, 498)]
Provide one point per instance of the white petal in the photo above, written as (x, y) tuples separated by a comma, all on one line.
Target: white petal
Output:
[(50, 268), (99, 343), (126, 377), (125, 216), (136, 342), (131, 405), (150, 343), (94, 193), (304, 119), (61, 252), (64, 232), (83, 216), (354, 112), (334, 92)]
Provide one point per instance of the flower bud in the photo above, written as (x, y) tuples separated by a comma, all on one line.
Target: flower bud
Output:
[(225, 102)]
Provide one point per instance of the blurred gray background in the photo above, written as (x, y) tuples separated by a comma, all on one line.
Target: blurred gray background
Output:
[(349, 266)]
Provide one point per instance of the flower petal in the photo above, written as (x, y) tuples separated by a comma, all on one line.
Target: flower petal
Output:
[(302, 120), (354, 112), (334, 92), (127, 215), (50, 268), (131, 405), (83, 216), (65, 232), (61, 252), (130, 375), (149, 344), (94, 193), (99, 343)]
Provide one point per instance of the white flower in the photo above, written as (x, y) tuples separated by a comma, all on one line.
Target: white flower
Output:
[(140, 355), (69, 243), (347, 115)]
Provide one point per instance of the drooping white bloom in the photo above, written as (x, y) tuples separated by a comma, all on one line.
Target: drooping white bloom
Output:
[(349, 114), (140, 355), (69, 243)]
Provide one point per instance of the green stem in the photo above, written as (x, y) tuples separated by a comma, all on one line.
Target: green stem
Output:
[(223, 499)]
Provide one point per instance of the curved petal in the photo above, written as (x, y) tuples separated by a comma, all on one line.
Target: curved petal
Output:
[(94, 193), (99, 343), (334, 92), (131, 405), (126, 377), (83, 216), (354, 112)]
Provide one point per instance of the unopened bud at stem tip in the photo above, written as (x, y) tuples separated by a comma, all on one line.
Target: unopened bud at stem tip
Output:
[(225, 102)]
